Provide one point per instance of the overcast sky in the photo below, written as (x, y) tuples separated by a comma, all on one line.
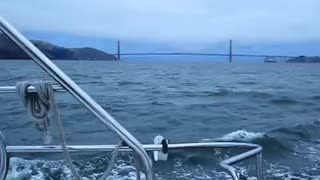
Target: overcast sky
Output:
[(169, 21)]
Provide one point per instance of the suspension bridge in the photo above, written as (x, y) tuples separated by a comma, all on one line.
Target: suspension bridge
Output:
[(230, 54)]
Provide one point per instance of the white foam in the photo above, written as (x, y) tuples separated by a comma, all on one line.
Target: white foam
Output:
[(239, 135), (40, 169), (21, 169)]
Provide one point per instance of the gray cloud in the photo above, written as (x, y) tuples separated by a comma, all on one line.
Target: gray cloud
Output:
[(169, 21)]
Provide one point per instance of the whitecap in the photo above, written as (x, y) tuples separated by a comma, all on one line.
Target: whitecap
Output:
[(239, 135)]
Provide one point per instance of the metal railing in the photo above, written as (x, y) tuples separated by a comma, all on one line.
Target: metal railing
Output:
[(12, 89), (132, 144)]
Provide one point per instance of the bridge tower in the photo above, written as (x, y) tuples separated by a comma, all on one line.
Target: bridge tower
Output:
[(230, 51), (118, 50)]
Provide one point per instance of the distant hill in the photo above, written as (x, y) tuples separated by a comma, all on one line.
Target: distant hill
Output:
[(8, 50), (304, 59)]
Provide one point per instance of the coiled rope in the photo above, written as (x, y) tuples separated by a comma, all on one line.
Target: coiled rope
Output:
[(41, 106)]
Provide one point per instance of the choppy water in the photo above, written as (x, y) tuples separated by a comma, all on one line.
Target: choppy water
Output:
[(275, 105)]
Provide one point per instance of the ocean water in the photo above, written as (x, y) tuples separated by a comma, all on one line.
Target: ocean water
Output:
[(274, 105)]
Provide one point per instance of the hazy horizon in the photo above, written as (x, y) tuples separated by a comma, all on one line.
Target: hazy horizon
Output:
[(284, 28)]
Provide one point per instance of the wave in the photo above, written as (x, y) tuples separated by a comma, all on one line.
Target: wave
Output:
[(316, 97), (279, 140), (241, 135), (21, 169), (250, 93), (12, 79), (284, 101), (300, 131), (271, 145), (247, 82), (220, 92), (280, 172), (124, 83), (181, 165)]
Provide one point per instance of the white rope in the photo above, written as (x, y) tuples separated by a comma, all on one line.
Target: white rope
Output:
[(113, 158), (43, 109), (39, 105)]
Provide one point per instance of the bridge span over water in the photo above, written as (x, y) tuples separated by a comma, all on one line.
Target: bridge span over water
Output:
[(230, 54)]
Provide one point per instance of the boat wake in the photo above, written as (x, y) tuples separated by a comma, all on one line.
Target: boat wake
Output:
[(298, 143)]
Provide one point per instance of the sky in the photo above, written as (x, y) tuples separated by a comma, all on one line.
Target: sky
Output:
[(188, 24)]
